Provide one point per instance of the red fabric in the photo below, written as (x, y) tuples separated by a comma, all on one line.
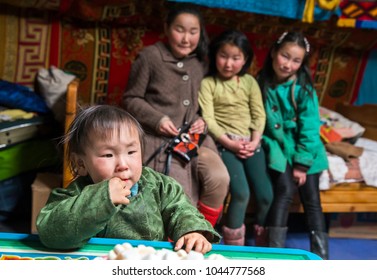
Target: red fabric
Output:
[(360, 10), (211, 214), (55, 43), (84, 37)]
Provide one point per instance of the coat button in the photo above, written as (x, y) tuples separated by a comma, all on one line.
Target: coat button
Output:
[(180, 64), (277, 126), (185, 77), (274, 108), (186, 102)]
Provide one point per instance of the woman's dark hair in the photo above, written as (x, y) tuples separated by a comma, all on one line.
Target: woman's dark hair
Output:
[(185, 8), (266, 75)]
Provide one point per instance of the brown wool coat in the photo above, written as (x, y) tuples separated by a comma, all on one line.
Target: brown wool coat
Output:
[(161, 85)]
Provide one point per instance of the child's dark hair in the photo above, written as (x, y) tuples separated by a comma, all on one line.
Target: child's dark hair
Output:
[(232, 37), (266, 75), (98, 121), (185, 8)]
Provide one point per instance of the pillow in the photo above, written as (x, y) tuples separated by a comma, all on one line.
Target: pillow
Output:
[(52, 84), (16, 96)]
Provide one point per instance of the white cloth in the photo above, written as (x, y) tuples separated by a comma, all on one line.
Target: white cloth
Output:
[(338, 167), (324, 181), (368, 160)]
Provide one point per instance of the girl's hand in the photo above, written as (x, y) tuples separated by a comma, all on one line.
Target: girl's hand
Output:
[(118, 191), (248, 149), (193, 241), (299, 176), (199, 126), (167, 128), (235, 146)]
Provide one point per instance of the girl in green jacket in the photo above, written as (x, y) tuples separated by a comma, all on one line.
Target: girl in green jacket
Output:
[(296, 155)]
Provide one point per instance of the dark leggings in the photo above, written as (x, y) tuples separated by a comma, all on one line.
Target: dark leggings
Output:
[(284, 190), (244, 175)]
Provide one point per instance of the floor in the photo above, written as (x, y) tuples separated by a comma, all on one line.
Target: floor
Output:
[(339, 248)]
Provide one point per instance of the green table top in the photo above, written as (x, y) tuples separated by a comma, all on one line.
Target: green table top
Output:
[(28, 246)]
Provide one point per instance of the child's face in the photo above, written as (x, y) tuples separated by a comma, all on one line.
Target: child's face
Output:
[(183, 34), (229, 61), (119, 155), (287, 60)]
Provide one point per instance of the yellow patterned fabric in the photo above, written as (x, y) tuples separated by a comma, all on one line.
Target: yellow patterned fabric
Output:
[(15, 114), (308, 15)]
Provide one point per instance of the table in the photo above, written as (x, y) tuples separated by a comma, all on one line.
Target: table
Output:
[(28, 246)]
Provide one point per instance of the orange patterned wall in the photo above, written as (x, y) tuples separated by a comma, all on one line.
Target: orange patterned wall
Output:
[(100, 53)]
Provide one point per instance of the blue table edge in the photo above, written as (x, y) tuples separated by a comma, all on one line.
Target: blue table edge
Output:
[(169, 245)]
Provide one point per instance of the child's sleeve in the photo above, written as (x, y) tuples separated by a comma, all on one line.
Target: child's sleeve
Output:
[(180, 215), (257, 111), (207, 106), (308, 122), (72, 216)]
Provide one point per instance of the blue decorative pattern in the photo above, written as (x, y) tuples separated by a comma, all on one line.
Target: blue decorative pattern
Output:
[(288, 8)]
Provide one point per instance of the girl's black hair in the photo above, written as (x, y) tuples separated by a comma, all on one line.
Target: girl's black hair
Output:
[(98, 121), (233, 37), (266, 75), (185, 8)]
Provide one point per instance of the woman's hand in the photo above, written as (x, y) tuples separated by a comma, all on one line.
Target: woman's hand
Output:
[(167, 128), (199, 126), (193, 241)]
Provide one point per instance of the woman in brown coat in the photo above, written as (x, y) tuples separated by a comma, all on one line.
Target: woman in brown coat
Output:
[(162, 94)]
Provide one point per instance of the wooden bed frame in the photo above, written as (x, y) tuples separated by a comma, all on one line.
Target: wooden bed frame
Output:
[(70, 113), (344, 197)]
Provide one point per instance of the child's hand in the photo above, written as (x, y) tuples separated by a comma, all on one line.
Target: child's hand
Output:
[(299, 177), (248, 149), (193, 241), (234, 146), (244, 149), (118, 191)]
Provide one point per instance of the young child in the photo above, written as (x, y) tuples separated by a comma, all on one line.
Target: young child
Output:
[(162, 94), (232, 107), (113, 195), (296, 155)]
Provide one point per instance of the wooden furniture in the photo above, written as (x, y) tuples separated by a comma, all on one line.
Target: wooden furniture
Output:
[(365, 115), (71, 109), (345, 197)]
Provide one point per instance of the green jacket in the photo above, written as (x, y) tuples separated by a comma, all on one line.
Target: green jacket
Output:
[(292, 134), (159, 210)]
